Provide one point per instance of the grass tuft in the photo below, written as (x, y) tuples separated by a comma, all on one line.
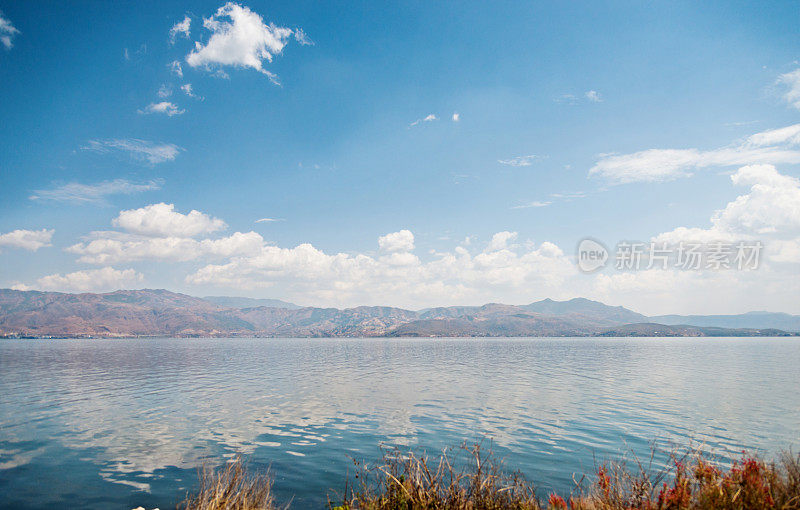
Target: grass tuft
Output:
[(231, 488), (460, 478)]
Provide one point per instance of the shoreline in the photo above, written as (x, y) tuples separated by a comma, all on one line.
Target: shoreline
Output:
[(726, 334)]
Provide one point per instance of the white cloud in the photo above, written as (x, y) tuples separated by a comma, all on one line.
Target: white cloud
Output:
[(187, 89), (116, 247), (771, 207), (91, 280), (789, 135), (237, 244), (658, 165), (428, 118), (176, 68), (268, 220), (165, 107), (161, 220), (519, 160), (94, 193), (142, 150), (792, 82), (239, 38), (769, 212), (181, 28), (7, 32), (500, 241), (456, 117), (164, 91), (593, 96), (27, 239), (505, 270), (397, 241), (569, 99), (301, 37), (569, 196), (397, 277), (530, 205)]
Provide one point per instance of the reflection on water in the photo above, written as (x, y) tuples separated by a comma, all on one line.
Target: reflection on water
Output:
[(123, 423)]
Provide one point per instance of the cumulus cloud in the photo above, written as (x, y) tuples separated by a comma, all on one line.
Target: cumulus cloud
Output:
[(166, 107), (658, 165), (770, 210), (239, 38), (398, 277), (456, 117), (141, 150), (397, 241), (500, 241), (78, 193), (91, 280), (7, 32), (30, 240), (506, 269), (792, 82), (181, 28), (116, 247), (519, 160), (161, 220)]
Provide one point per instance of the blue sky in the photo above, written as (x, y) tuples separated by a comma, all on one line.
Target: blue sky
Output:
[(95, 123)]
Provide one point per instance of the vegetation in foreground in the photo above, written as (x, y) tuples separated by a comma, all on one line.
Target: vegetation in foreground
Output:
[(469, 478), (232, 487)]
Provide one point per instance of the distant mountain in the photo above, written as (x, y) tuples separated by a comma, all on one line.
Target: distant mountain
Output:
[(121, 313), (586, 309), (757, 320), (244, 302), (651, 329), (163, 313)]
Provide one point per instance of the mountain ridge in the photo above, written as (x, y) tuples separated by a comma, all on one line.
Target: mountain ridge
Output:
[(159, 312)]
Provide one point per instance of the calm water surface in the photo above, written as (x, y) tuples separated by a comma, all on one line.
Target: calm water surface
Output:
[(123, 423)]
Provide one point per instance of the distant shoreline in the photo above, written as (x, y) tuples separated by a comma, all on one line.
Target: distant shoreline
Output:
[(722, 334), (150, 313)]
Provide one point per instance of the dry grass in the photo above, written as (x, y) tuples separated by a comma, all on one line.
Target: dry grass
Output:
[(231, 488), (465, 478), (691, 483), (471, 478)]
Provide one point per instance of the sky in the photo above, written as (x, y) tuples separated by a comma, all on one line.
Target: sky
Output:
[(415, 154)]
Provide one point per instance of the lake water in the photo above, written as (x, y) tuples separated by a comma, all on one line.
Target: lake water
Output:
[(122, 423)]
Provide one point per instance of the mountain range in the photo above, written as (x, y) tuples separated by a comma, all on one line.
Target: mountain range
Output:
[(148, 312)]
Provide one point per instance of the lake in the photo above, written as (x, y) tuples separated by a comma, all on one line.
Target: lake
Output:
[(123, 423)]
